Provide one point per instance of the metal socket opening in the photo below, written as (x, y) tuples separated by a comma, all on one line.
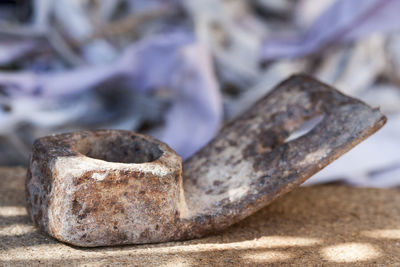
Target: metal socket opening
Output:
[(121, 148)]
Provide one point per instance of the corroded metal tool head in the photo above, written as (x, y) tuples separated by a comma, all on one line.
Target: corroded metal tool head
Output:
[(100, 188)]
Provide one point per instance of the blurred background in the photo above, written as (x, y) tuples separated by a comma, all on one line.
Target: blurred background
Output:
[(179, 69)]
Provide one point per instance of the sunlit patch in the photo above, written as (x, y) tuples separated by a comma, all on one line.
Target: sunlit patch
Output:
[(384, 233), (261, 243), (9, 211), (350, 252), (287, 241), (16, 230), (267, 256)]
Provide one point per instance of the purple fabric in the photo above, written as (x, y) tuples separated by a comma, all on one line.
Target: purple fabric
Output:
[(173, 61), (344, 21), (12, 50)]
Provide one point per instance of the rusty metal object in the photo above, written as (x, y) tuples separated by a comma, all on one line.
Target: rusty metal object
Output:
[(109, 187), (104, 187)]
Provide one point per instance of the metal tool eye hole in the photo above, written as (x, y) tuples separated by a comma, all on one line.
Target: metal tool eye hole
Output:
[(123, 149), (305, 128)]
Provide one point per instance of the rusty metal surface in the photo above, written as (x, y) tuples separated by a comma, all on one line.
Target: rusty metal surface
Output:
[(97, 188), (250, 163)]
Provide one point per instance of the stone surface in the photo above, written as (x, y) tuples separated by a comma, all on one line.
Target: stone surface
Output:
[(315, 226), (106, 188)]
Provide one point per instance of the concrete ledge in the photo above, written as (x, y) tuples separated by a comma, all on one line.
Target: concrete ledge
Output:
[(325, 225)]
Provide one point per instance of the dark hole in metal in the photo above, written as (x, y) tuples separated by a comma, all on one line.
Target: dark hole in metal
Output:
[(305, 127), (126, 149)]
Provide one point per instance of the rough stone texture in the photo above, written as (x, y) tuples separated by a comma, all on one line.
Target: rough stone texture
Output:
[(104, 188), (315, 226), (115, 187)]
